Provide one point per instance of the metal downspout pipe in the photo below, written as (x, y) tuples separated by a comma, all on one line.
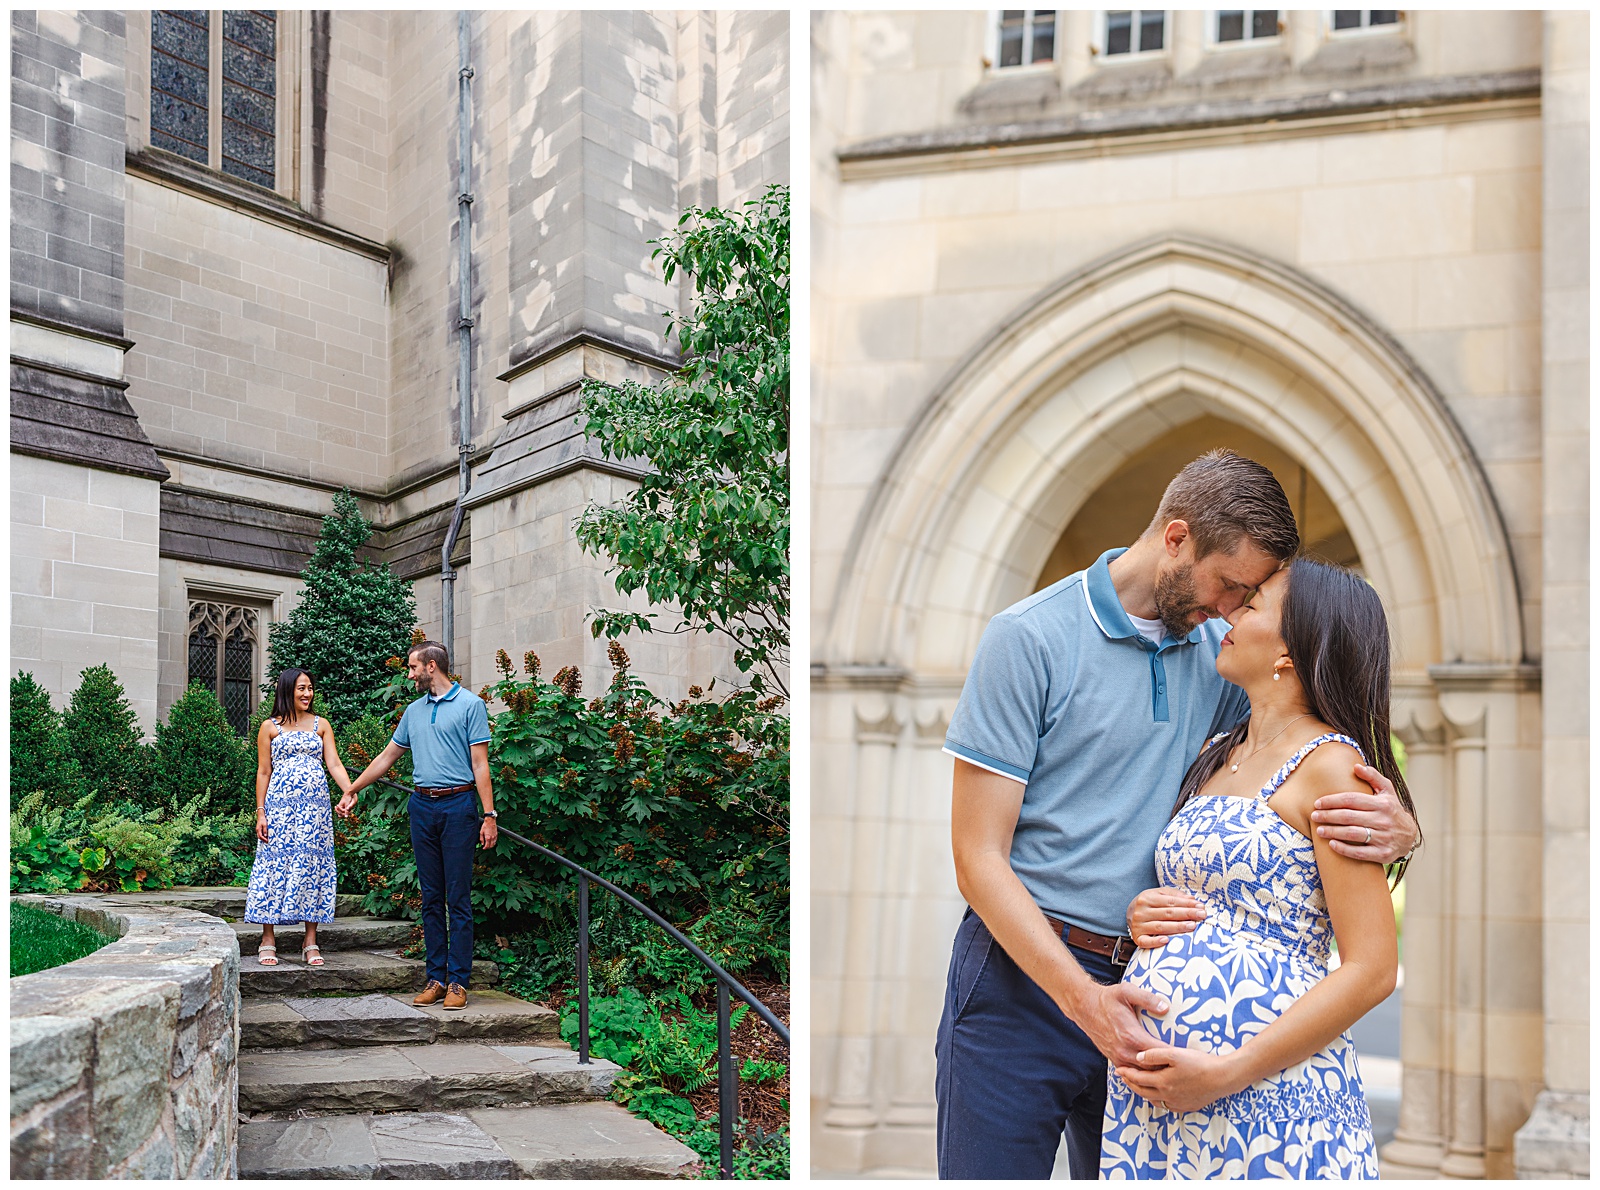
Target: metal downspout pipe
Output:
[(447, 575)]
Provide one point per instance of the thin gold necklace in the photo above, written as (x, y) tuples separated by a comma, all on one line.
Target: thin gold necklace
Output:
[(1234, 768)]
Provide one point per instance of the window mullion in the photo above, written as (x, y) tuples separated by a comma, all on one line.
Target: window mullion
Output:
[(214, 99)]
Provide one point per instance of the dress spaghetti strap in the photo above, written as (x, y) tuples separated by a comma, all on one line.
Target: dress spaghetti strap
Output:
[(1289, 766)]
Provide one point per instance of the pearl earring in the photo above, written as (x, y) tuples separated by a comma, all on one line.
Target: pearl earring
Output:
[(1276, 676)]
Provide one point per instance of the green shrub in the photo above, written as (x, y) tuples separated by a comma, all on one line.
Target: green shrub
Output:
[(352, 617), (40, 759), (103, 739), (41, 940), (682, 806), (199, 757), (40, 862), (212, 849)]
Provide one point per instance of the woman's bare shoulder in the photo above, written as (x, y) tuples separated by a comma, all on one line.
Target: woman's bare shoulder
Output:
[(1329, 768)]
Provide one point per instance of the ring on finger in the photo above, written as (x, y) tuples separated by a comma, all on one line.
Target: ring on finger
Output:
[(1368, 840)]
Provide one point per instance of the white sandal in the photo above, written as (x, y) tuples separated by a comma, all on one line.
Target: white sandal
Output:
[(267, 956), (312, 949)]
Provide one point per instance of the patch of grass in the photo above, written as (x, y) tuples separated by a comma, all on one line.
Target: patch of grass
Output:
[(40, 940)]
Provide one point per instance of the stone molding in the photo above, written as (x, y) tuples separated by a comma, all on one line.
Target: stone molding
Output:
[(220, 530), (125, 1062), (75, 417), (178, 173), (1554, 1143), (992, 143)]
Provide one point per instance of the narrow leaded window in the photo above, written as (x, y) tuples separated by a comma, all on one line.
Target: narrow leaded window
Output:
[(249, 95), (223, 642), (1363, 19), (180, 64), (185, 99), (1135, 31), (1246, 24), (1026, 36)]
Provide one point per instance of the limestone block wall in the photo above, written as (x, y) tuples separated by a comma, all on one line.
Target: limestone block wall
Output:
[(84, 585), (533, 588), (255, 345), (124, 1064), (594, 156), (1555, 1141), (425, 290), (67, 166)]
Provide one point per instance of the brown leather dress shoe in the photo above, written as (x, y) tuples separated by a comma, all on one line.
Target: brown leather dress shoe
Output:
[(430, 994), (456, 997)]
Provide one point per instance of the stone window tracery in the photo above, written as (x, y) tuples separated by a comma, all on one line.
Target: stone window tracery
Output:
[(224, 641)]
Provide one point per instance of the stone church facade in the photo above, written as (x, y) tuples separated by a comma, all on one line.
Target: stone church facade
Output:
[(1059, 254), (236, 288)]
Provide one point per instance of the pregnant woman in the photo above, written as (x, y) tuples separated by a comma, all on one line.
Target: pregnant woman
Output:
[(294, 876), (1256, 1073)]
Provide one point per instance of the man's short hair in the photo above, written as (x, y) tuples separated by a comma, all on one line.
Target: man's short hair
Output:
[(431, 650), (1223, 498)]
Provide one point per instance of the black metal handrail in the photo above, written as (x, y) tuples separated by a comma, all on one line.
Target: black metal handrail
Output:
[(727, 1072)]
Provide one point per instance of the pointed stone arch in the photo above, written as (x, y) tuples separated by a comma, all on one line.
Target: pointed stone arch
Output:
[(1007, 449), (1029, 422)]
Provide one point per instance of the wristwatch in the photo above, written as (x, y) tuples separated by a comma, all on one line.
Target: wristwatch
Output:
[(491, 813)]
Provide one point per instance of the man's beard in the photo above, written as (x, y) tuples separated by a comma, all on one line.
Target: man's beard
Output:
[(1175, 600), (424, 685)]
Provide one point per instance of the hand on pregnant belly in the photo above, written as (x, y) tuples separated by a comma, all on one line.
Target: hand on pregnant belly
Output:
[(1178, 1079)]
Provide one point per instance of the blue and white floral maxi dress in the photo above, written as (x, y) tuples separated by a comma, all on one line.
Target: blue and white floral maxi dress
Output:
[(294, 877), (1264, 944)]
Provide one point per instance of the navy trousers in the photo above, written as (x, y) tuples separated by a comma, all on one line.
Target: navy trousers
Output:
[(1012, 1072), (444, 835)]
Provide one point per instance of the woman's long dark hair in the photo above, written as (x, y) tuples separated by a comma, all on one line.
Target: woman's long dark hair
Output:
[(1332, 624), (283, 707)]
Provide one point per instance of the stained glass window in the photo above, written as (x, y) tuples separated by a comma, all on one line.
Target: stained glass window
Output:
[(249, 90), (181, 91), (180, 63), (223, 640)]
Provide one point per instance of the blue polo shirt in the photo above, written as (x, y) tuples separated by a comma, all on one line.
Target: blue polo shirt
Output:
[(439, 730), (1065, 696)]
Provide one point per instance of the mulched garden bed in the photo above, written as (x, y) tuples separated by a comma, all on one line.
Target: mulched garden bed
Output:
[(764, 1104)]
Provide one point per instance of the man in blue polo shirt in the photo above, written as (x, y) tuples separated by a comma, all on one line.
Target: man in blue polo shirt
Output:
[(1085, 704), (447, 734)]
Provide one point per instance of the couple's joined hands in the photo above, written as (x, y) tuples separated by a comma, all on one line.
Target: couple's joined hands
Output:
[(488, 830)]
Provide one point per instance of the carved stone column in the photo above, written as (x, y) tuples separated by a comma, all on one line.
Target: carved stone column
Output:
[(1418, 1144), (852, 1113)]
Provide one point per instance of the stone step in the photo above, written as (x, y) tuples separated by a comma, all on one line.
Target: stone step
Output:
[(342, 933), (573, 1140), (346, 971), (222, 900), (328, 1022), (442, 1077)]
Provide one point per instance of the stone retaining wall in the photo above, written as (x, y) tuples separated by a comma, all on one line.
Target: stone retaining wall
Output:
[(125, 1062)]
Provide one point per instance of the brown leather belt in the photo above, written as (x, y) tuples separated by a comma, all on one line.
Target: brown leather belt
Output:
[(1118, 950), (446, 792)]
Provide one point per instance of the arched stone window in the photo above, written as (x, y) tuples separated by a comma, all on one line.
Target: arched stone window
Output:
[(223, 642)]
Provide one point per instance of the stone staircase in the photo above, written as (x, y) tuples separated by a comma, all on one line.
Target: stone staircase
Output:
[(340, 1076)]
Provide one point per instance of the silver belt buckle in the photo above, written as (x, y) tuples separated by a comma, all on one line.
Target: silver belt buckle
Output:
[(1116, 949)]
